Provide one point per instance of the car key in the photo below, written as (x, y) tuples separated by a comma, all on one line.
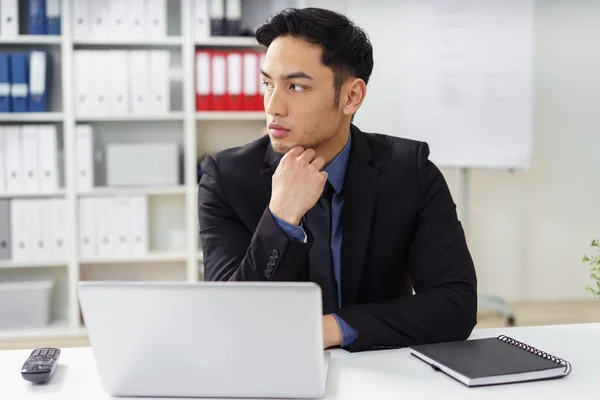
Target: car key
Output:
[(40, 365)]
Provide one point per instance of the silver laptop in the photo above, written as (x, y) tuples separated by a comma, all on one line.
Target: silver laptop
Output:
[(207, 339)]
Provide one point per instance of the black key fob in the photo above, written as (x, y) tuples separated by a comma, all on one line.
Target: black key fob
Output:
[(40, 365)]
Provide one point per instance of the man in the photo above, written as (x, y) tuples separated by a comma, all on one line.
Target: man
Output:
[(366, 216)]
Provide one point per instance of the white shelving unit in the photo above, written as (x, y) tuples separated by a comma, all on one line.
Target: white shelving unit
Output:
[(202, 133)]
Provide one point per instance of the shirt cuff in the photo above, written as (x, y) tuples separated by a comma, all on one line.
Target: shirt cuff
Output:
[(349, 335), (292, 231)]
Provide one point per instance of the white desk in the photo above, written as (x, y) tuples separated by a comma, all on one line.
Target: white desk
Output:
[(385, 374)]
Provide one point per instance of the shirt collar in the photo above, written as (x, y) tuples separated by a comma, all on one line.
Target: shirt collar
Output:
[(336, 169)]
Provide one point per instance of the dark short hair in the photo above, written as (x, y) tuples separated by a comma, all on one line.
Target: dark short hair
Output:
[(346, 47)]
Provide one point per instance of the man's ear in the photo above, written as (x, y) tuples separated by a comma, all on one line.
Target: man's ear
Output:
[(353, 95)]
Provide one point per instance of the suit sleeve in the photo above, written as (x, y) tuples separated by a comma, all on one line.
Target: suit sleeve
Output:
[(444, 307), (231, 252)]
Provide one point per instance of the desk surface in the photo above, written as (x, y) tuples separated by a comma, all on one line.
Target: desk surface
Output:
[(385, 374)]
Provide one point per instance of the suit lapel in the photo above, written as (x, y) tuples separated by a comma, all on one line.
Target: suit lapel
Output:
[(359, 201), (271, 160)]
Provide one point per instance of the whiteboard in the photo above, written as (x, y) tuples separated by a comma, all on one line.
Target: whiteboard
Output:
[(457, 74)]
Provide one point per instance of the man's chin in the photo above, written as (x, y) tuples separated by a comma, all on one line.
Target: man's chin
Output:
[(279, 147)]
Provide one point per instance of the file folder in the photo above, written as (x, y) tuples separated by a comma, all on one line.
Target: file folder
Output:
[(219, 80), (58, 238), (251, 81), (85, 165), (5, 243), (30, 155), (98, 77), (202, 19), (203, 81), (14, 167), (53, 17), (260, 105), (156, 19), (41, 229), (38, 81), (139, 212), (233, 17), (88, 238), (49, 179), (138, 79), (118, 93), (99, 18), (9, 18), (82, 23), (5, 82), (123, 226), (234, 81), (83, 85), (160, 84), (105, 223), (217, 18), (20, 223), (37, 17), (19, 89), (136, 19), (118, 14), (3, 188)]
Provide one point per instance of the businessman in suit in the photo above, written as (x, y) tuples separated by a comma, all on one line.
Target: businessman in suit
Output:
[(366, 216)]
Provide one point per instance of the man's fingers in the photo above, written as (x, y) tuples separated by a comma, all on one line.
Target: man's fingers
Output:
[(295, 152), (318, 163), (307, 156)]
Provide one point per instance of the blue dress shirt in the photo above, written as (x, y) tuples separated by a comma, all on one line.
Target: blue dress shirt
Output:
[(336, 171)]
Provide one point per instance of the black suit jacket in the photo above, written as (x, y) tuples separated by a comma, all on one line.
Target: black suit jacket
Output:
[(400, 231)]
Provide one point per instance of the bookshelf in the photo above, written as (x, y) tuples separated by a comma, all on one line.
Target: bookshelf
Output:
[(170, 208)]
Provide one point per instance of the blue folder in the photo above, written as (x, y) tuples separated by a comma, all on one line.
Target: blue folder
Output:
[(53, 17), (19, 87), (39, 67), (4, 83), (37, 17)]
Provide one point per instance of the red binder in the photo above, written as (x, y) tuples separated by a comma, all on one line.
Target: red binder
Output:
[(259, 104), (251, 81), (203, 81), (220, 98), (235, 81)]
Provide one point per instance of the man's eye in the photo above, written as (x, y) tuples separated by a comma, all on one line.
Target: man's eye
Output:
[(266, 84), (296, 88)]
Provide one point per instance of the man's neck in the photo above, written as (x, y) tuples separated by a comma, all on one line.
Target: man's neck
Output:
[(332, 147)]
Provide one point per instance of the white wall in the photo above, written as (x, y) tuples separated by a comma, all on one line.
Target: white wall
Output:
[(529, 230)]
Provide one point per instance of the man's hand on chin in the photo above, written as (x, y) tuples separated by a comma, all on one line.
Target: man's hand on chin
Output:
[(332, 334)]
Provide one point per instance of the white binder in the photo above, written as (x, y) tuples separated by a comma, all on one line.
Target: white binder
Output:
[(105, 222), (160, 84), (2, 161), (58, 235), (139, 212), (85, 164), (123, 226), (20, 217), (81, 18), (99, 78), (118, 14), (136, 19), (251, 74), (234, 74), (9, 18), (156, 19), (118, 92), (30, 156), (88, 238), (41, 229), (138, 79), (48, 158), (202, 19), (14, 164), (99, 17), (83, 83)]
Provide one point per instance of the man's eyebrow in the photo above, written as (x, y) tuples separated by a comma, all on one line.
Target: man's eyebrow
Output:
[(293, 75)]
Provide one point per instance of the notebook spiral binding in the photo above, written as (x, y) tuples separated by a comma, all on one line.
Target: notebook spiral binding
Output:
[(537, 352)]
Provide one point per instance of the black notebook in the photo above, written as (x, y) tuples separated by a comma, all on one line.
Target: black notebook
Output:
[(491, 361)]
